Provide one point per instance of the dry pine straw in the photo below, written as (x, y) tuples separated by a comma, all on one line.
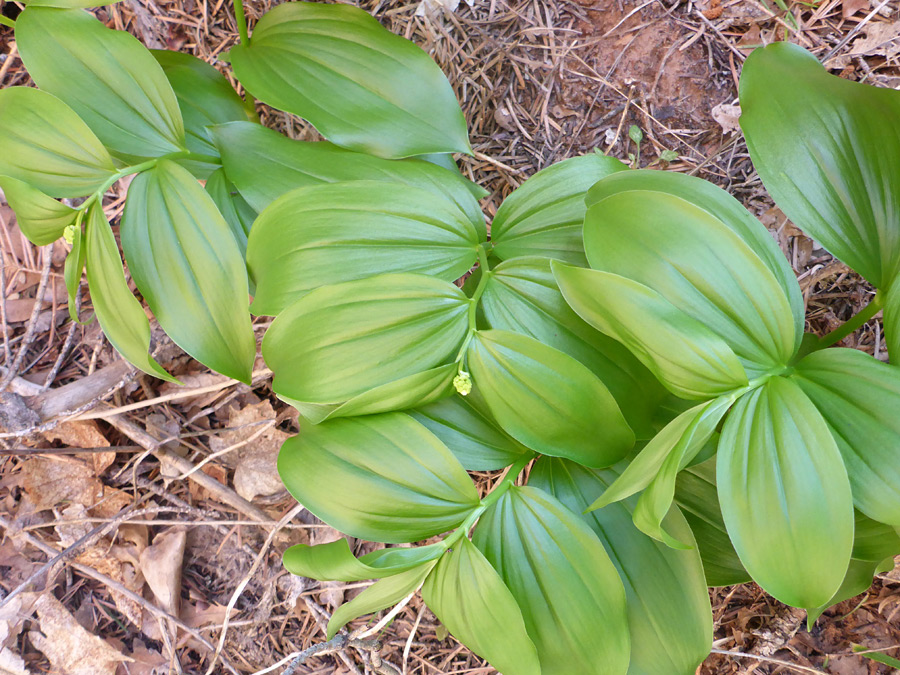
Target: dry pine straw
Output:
[(540, 81)]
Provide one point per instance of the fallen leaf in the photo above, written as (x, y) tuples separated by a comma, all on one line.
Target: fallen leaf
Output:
[(161, 564), (49, 481), (147, 661), (69, 647), (12, 619), (851, 7), (882, 39), (727, 116), (84, 434)]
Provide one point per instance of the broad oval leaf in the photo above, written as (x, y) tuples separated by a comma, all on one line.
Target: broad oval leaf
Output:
[(785, 495), (570, 593), (40, 217), (341, 341), (468, 596), (385, 96), (521, 295), (45, 144), (335, 561), (205, 98), (547, 400), (326, 234), (264, 165), (836, 174), (859, 397), (120, 314), (688, 358), (722, 206), (465, 425), (188, 267), (701, 266), (389, 478), (384, 593), (109, 78), (669, 615), (544, 216), (234, 208), (872, 540)]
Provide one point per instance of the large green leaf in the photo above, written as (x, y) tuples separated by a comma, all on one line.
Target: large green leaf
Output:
[(109, 78), (521, 295), (120, 314), (465, 425), (570, 593), (45, 144), (40, 217), (785, 495), (468, 596), (835, 170), (362, 87), (205, 99), (543, 216), (189, 269), (234, 208), (701, 266), (669, 615), (325, 234), (722, 206), (857, 580), (547, 400), (335, 561), (264, 164), (892, 321), (859, 397), (380, 595), (380, 477), (696, 496), (688, 358), (342, 341)]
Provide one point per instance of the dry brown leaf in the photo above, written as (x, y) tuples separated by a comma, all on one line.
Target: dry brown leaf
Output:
[(69, 647), (161, 564), (84, 434), (882, 39), (147, 661), (851, 7), (12, 619), (727, 115), (119, 563), (53, 480)]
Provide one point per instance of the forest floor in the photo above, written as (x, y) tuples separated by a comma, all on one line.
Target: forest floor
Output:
[(125, 501)]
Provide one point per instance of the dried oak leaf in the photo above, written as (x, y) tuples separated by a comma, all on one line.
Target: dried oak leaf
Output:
[(161, 564), (69, 647)]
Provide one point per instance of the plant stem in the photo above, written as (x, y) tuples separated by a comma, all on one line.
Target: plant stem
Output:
[(854, 323), (473, 302), (6, 21), (241, 22)]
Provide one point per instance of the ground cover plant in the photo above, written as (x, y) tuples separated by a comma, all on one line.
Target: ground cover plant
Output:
[(504, 370)]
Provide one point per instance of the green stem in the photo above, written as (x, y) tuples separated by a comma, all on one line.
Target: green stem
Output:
[(6, 21), (473, 302), (495, 494), (854, 323), (241, 22)]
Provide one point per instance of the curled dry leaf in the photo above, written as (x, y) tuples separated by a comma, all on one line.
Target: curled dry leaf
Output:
[(69, 647), (161, 564), (727, 116)]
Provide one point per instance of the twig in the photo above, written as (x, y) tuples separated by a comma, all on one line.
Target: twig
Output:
[(67, 345), (767, 659), (849, 36)]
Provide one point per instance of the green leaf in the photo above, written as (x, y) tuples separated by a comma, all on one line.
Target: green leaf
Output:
[(380, 595), (521, 295), (369, 103), (547, 400), (73, 269), (543, 217), (701, 266), (785, 495), (45, 144), (468, 596), (264, 165), (696, 496), (873, 540), (571, 597), (341, 341), (446, 161), (669, 616), (71, 3), (107, 76), (234, 208), (688, 358), (892, 321), (335, 561), (120, 314), (857, 580), (720, 205), (326, 234), (41, 218), (205, 98), (834, 173), (380, 477), (859, 397), (189, 269), (465, 425)]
